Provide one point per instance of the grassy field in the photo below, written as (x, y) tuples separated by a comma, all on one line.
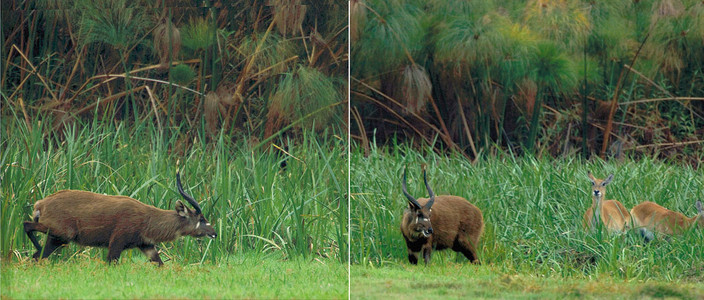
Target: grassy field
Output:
[(465, 281), (282, 231), (533, 214), (253, 203), (241, 276)]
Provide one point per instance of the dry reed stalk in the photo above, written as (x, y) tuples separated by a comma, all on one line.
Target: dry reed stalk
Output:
[(211, 112), (289, 15), (164, 34), (362, 131), (358, 14), (415, 89)]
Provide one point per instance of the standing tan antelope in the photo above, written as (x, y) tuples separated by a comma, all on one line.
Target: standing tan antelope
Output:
[(650, 217), (440, 222), (611, 212), (115, 222)]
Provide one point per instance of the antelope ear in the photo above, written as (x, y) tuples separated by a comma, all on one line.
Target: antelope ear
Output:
[(591, 178), (607, 180), (699, 207), (181, 209)]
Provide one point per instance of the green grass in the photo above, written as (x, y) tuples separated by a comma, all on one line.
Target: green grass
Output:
[(466, 281), (253, 204), (241, 276), (533, 214)]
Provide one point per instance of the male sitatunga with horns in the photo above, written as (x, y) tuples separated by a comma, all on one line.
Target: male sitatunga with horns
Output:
[(440, 222), (115, 222)]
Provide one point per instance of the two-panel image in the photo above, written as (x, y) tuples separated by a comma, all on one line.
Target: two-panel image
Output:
[(363, 149)]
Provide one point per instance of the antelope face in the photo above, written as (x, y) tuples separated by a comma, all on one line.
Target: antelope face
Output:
[(599, 186), (203, 228), (194, 223), (417, 216), (420, 224)]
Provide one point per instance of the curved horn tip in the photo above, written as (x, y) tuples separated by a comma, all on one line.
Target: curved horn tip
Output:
[(186, 196), (430, 191), (410, 198)]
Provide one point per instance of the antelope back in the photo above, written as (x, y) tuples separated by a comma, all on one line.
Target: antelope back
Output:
[(654, 217)]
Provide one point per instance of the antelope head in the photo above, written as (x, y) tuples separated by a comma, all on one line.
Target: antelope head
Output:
[(197, 226), (419, 225)]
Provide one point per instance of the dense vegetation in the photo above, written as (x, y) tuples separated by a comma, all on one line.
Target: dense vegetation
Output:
[(533, 213), (238, 67), (542, 76), (247, 97), (254, 204)]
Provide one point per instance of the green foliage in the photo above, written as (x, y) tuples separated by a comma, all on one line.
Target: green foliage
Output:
[(302, 92), (197, 34), (470, 9), (389, 38), (119, 23), (182, 74), (253, 204), (607, 42), (480, 55), (274, 50), (468, 43), (246, 275), (517, 45), (552, 68), (61, 60), (532, 212), (452, 279), (566, 22)]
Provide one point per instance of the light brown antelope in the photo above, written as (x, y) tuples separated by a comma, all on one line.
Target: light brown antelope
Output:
[(610, 212), (650, 217), (115, 222), (440, 222)]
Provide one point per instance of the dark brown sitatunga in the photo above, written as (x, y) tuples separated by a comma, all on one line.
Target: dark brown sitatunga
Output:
[(440, 222), (115, 222)]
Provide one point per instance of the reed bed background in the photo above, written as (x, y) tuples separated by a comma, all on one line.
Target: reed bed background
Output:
[(532, 210), (557, 78)]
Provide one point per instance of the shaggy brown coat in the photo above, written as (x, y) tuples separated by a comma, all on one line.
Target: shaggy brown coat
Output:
[(456, 224), (115, 222)]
